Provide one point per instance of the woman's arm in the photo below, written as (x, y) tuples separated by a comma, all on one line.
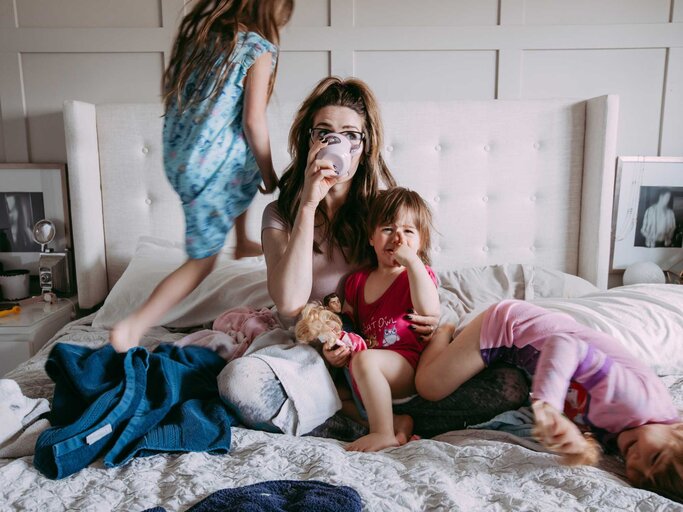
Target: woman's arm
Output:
[(254, 119), (289, 256)]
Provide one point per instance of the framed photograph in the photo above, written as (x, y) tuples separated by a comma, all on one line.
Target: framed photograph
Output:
[(28, 194), (648, 212)]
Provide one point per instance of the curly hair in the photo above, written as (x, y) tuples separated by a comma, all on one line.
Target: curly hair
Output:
[(318, 322)]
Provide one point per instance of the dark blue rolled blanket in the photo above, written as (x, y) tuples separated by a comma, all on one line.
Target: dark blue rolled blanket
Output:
[(280, 496)]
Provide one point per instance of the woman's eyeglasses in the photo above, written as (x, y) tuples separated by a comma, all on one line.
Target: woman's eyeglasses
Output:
[(352, 135)]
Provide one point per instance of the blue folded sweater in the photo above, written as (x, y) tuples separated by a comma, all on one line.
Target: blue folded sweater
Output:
[(134, 404), (280, 496)]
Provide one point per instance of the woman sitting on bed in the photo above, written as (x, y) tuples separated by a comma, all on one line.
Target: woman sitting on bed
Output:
[(623, 402), (314, 236)]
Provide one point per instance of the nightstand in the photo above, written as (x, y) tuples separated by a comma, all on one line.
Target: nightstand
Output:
[(23, 334)]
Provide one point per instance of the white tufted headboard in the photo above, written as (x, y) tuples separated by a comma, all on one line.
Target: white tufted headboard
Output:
[(508, 181)]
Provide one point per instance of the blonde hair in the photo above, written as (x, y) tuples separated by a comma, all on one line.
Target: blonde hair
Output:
[(346, 229), (206, 39), (668, 481), (318, 322), (389, 204)]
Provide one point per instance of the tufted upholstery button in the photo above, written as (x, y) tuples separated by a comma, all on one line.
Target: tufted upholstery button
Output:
[(537, 145), (532, 198), (485, 248), (390, 148), (487, 148), (148, 201), (437, 147), (437, 248), (485, 199), (437, 199), (145, 149), (532, 248)]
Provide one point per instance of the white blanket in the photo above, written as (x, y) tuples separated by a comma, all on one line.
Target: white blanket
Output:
[(311, 395)]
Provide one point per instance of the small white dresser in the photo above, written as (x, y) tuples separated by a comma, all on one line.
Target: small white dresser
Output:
[(23, 334)]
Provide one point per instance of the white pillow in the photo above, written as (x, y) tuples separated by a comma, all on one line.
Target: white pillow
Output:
[(232, 283), (465, 292), (646, 318)]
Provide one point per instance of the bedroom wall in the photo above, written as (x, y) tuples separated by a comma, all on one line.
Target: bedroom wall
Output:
[(115, 50)]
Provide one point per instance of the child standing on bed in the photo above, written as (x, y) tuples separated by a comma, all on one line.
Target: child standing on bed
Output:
[(215, 136), (624, 403), (399, 226)]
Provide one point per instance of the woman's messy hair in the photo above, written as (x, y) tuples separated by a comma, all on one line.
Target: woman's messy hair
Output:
[(346, 229)]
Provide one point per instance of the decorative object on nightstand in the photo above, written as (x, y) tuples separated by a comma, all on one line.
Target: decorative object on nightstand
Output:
[(54, 268), (14, 284), (23, 334), (644, 272)]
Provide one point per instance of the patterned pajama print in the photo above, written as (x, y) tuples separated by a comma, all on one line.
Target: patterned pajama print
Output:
[(207, 158)]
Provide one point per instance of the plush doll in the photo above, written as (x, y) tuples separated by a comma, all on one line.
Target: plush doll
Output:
[(320, 323)]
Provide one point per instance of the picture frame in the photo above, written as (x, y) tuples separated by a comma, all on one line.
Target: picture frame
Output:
[(647, 220), (27, 191)]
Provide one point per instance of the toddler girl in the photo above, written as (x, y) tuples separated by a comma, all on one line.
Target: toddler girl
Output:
[(215, 136), (624, 403), (378, 300)]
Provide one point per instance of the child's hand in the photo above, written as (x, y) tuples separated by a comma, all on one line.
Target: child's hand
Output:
[(270, 181), (338, 356), (405, 255)]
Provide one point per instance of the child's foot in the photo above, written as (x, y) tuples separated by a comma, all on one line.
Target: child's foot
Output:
[(373, 443), (403, 428), (124, 335), (248, 248), (558, 433)]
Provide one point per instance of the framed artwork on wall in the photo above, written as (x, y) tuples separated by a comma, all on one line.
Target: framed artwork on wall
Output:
[(647, 223), (30, 193)]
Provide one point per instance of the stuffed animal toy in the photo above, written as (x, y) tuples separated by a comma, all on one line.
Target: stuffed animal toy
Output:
[(320, 323)]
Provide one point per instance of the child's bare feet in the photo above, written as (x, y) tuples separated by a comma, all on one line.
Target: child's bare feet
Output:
[(373, 443), (403, 428), (558, 433), (247, 248), (125, 334)]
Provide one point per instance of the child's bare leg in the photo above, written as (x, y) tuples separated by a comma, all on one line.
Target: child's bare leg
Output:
[(380, 374), (243, 246), (558, 433), (174, 288), (445, 366)]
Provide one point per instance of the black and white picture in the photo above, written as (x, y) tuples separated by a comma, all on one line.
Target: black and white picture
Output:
[(19, 211), (648, 218), (660, 217)]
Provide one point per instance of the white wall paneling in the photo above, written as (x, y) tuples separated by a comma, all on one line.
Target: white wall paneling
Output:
[(115, 50)]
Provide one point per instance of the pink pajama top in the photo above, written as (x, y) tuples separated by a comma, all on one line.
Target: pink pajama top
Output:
[(560, 353)]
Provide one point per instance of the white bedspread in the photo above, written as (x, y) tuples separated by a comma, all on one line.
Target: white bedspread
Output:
[(465, 470)]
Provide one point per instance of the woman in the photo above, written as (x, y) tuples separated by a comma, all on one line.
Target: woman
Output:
[(318, 209)]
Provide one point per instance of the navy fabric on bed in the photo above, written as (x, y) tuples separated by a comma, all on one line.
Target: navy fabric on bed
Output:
[(134, 404), (280, 496)]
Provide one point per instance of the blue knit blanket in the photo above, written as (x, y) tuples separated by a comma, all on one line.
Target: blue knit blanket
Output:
[(119, 406)]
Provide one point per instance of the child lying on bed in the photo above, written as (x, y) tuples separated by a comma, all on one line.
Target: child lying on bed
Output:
[(378, 298), (627, 403)]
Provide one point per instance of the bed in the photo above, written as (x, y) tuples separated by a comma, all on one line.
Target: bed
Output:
[(522, 196)]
